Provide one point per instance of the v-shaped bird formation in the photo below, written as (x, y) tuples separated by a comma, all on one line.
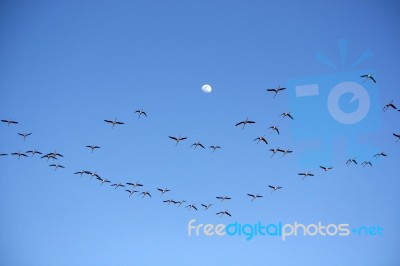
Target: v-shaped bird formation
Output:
[(136, 187)]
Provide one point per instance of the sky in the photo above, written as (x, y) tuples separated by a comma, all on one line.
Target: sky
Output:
[(66, 66)]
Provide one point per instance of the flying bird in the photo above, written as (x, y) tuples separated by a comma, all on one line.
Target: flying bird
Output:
[(276, 91), (223, 198), (33, 152), (254, 196), (49, 156), (326, 169), (224, 213), (56, 166), (170, 201), (145, 193), (141, 112), (379, 155), (197, 144), (19, 154), (114, 122), (137, 184), (305, 175), (117, 185), (366, 163), (285, 151), (92, 147), (163, 190), (179, 202), (94, 174), (391, 105), (274, 188), (244, 123), (24, 135), (286, 114), (80, 172), (397, 136), (261, 138), (368, 76), (350, 161), (214, 147), (206, 206), (177, 139), (131, 191), (275, 151), (9, 122), (274, 128), (103, 180), (191, 206)]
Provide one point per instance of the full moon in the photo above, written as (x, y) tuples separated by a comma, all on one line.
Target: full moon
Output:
[(206, 88)]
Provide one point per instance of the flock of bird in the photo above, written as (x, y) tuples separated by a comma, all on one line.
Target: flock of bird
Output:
[(136, 187)]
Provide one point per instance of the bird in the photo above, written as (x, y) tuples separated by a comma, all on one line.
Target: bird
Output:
[(56, 166), (197, 144), (103, 180), (276, 90), (94, 174), (33, 152), (9, 122), (80, 172), (145, 193), (114, 122), (326, 169), (285, 151), (274, 128), (206, 206), (24, 135), (286, 114), (274, 188), (306, 174), (92, 147), (19, 154), (379, 155), (214, 147), (261, 138), (163, 190), (368, 76), (131, 191), (141, 112), (177, 139), (275, 151), (254, 196), (137, 184), (391, 105), (224, 213), (349, 161), (397, 136), (170, 201), (48, 156), (244, 123), (366, 163), (191, 206), (223, 198), (179, 202), (55, 154), (117, 185)]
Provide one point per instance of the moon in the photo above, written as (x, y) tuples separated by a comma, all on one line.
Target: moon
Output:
[(206, 88)]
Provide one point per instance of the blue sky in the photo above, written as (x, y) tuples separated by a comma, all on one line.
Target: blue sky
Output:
[(65, 66)]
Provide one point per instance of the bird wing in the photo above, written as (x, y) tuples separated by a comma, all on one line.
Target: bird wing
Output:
[(201, 145), (108, 121), (371, 77), (364, 76), (239, 124), (281, 89), (174, 138), (271, 90)]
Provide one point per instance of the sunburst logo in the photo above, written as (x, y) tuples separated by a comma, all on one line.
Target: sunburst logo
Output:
[(341, 104)]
